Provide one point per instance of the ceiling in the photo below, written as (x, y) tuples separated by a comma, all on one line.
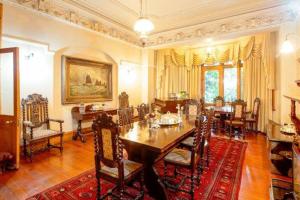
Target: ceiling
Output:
[(173, 14), (175, 21)]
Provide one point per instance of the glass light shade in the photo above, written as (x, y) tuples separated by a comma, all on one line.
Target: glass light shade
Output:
[(143, 26), (287, 47)]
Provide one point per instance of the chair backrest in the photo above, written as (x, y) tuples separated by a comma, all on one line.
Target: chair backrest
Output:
[(219, 101), (125, 116), (108, 148), (192, 108), (201, 128), (123, 100), (256, 107), (239, 109), (202, 104), (35, 109), (143, 110)]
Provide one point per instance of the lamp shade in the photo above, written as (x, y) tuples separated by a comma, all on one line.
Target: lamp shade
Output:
[(143, 26), (287, 47)]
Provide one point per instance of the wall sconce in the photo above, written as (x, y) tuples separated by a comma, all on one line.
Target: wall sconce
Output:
[(287, 46)]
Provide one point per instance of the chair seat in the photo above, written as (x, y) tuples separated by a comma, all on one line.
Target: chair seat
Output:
[(190, 141), (43, 133), (179, 156), (234, 122), (130, 167)]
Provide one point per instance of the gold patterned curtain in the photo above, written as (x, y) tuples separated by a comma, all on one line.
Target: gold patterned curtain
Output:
[(180, 69), (259, 74)]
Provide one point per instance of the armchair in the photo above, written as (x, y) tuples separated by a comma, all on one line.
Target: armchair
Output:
[(36, 124)]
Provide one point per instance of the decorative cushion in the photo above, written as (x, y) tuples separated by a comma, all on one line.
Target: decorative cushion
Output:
[(234, 122), (129, 168), (180, 156), (43, 133)]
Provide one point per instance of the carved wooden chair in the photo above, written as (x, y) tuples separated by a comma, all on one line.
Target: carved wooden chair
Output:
[(237, 118), (205, 151), (188, 159), (109, 162), (123, 100), (36, 124), (218, 102), (143, 110), (192, 108), (126, 116), (252, 118), (202, 105)]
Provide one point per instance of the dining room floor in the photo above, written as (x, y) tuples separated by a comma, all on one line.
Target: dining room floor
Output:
[(51, 168)]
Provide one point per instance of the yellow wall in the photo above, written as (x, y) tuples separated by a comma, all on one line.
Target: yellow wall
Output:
[(288, 70), (65, 39)]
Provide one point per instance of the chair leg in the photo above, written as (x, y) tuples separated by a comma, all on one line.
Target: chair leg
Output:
[(230, 130), (192, 185), (142, 184), (256, 127), (207, 156), (48, 144), (165, 172), (25, 148), (61, 144), (30, 152), (243, 132)]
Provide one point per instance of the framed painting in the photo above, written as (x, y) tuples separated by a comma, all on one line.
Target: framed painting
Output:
[(85, 81)]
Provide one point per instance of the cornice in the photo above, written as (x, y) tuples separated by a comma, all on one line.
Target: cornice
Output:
[(84, 18), (251, 22), (58, 10)]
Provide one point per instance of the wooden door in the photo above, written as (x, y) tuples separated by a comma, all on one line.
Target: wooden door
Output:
[(10, 103)]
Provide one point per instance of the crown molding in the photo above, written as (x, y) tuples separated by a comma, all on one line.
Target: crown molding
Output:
[(245, 23), (57, 9), (90, 20)]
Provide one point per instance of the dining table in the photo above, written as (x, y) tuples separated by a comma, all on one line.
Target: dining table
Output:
[(227, 109), (149, 145)]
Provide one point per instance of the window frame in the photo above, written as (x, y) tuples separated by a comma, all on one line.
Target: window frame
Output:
[(220, 68)]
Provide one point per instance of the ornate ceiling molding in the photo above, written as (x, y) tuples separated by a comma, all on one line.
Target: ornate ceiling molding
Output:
[(251, 22), (58, 10), (83, 18)]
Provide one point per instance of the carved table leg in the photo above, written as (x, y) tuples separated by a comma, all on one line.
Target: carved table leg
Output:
[(148, 158)]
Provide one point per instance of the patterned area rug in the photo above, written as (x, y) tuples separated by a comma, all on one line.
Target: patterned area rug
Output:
[(220, 181)]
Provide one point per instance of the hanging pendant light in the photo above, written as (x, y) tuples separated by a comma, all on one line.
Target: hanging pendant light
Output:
[(143, 26)]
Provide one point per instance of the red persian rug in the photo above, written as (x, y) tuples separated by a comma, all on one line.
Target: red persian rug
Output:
[(220, 181)]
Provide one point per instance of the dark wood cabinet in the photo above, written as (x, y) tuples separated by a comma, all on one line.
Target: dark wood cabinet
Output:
[(280, 147), (170, 105)]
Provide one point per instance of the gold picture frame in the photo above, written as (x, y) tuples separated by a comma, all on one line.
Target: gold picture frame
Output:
[(85, 81)]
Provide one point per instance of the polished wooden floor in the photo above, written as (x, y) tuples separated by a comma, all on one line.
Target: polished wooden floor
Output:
[(50, 168)]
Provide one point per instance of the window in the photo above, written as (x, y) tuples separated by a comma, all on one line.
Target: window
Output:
[(221, 80), (211, 85)]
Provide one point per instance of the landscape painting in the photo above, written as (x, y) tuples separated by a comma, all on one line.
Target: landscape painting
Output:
[(86, 81)]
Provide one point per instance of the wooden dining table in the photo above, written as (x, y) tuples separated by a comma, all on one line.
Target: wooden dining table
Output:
[(227, 109), (148, 145)]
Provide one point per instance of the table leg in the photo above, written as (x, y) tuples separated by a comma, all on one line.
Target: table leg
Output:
[(79, 133), (148, 158)]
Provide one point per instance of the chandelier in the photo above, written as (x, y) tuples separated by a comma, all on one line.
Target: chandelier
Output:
[(143, 26)]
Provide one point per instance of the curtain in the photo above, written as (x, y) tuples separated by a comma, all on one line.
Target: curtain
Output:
[(180, 70), (259, 74)]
